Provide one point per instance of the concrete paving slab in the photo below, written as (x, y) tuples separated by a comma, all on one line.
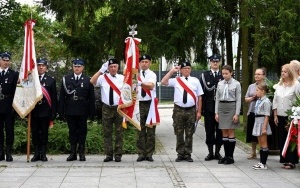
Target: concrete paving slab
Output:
[(164, 172)]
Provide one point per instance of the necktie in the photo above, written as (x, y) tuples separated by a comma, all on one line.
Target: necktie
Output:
[(3, 72), (216, 74), (40, 77), (143, 91), (77, 78), (184, 100), (111, 96), (225, 92)]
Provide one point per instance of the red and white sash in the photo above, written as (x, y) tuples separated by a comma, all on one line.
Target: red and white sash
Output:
[(153, 115), (48, 99), (187, 89), (114, 87)]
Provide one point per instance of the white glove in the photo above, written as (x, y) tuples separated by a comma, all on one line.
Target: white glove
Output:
[(139, 83), (104, 67)]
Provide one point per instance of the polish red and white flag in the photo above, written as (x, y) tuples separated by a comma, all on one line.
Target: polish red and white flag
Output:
[(128, 105), (28, 91)]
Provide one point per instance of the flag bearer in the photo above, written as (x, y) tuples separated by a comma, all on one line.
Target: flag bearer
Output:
[(44, 112)]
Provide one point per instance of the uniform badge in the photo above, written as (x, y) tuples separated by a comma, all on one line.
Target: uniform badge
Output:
[(208, 83), (82, 84), (44, 84)]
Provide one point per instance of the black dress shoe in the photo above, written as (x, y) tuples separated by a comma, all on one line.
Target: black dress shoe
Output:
[(222, 160), (150, 159), (9, 158), (179, 159), (189, 159), (2, 157), (82, 157), (117, 158), (209, 157), (108, 158), (35, 158), (72, 157), (229, 160), (140, 158), (218, 156)]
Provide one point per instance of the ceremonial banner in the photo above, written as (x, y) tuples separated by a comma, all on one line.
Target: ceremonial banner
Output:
[(128, 104), (28, 91)]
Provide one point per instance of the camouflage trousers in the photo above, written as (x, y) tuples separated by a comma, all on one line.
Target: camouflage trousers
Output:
[(146, 137), (184, 128), (111, 119)]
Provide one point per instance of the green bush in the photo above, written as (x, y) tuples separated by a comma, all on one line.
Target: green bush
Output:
[(58, 141)]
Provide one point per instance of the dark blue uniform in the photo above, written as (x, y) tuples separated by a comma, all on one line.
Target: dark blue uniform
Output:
[(41, 116), (76, 103), (8, 84), (213, 134)]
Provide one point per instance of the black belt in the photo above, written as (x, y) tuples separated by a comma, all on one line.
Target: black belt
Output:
[(259, 115), (145, 102), (4, 96), (76, 98), (227, 101), (185, 108)]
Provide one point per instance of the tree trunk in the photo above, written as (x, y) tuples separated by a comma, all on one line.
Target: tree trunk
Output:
[(245, 60)]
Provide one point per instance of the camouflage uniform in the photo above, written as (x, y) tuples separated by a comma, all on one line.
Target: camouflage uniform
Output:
[(110, 116), (146, 137), (184, 122)]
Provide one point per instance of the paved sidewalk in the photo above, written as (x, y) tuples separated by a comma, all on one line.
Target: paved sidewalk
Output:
[(164, 172)]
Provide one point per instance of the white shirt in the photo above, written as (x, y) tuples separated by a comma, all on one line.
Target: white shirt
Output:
[(193, 83), (105, 87), (150, 76), (284, 98)]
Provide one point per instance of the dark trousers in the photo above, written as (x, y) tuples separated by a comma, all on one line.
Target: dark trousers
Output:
[(77, 129), (39, 128), (7, 120), (213, 133), (282, 134), (291, 156), (145, 137), (250, 124)]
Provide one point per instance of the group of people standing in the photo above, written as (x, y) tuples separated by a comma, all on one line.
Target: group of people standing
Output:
[(216, 96)]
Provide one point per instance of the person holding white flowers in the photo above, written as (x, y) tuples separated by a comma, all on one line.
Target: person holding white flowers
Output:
[(284, 97), (261, 126)]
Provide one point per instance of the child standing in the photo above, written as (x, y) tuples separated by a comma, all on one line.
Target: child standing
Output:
[(261, 126)]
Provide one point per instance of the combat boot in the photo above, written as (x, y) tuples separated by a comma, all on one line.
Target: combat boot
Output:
[(218, 156), (210, 155), (1, 153), (73, 154), (43, 153), (36, 156), (81, 152), (8, 153)]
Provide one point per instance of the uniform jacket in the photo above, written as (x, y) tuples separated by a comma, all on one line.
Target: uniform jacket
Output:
[(84, 90), (209, 85), (8, 84), (42, 108)]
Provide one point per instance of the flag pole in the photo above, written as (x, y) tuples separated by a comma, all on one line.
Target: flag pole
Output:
[(28, 136)]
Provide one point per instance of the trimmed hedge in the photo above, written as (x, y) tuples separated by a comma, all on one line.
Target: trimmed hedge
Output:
[(58, 141)]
